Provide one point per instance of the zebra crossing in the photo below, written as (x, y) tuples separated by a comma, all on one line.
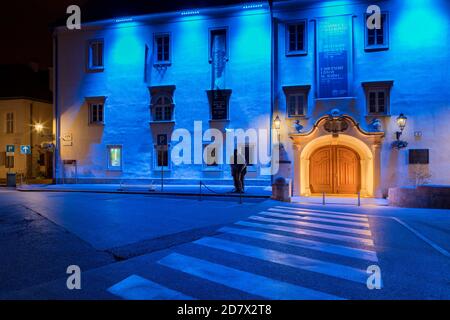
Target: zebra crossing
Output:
[(332, 245)]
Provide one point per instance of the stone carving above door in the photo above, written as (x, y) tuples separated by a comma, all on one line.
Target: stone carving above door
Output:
[(336, 123)]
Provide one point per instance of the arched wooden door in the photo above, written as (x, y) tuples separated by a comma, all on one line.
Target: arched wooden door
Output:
[(335, 170)]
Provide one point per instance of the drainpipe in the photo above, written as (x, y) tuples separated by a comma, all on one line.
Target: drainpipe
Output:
[(30, 157), (56, 154), (272, 73)]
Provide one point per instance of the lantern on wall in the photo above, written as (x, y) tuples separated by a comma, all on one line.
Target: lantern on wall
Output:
[(401, 122)]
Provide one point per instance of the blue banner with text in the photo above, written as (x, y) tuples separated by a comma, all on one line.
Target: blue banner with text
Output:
[(334, 57)]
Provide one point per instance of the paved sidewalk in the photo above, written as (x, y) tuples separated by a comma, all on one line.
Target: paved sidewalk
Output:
[(191, 190)]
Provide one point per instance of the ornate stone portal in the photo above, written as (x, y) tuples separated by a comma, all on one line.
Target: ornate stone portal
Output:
[(338, 130)]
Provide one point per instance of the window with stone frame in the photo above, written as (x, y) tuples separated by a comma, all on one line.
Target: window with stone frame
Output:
[(296, 100), (162, 109), (296, 38), (96, 109), (162, 48), (378, 97), (377, 39), (95, 55), (96, 115), (162, 104)]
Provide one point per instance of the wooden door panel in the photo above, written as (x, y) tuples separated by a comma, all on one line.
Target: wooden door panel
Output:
[(335, 169), (321, 171), (347, 171)]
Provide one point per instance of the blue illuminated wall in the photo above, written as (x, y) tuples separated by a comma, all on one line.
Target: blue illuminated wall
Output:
[(417, 61), (129, 74)]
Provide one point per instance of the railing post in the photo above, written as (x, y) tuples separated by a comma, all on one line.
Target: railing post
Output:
[(323, 198), (162, 178), (200, 191), (359, 198), (240, 197)]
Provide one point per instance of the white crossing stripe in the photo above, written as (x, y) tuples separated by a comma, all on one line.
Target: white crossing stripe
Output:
[(241, 280), (138, 288), (313, 225), (324, 211), (304, 243), (299, 262), (309, 218), (308, 232), (315, 214)]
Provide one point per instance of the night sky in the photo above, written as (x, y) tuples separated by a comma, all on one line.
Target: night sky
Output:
[(26, 26)]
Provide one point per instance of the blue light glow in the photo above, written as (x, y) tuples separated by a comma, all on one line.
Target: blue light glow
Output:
[(119, 20), (190, 12), (253, 6)]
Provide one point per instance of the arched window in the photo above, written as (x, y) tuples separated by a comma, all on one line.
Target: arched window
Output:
[(163, 109)]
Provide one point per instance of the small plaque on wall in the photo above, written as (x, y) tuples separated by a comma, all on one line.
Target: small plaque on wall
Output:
[(419, 156), (219, 103)]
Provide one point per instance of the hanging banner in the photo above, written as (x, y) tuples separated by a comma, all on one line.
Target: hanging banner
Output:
[(334, 57)]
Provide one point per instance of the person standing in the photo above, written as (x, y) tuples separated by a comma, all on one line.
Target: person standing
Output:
[(238, 171)]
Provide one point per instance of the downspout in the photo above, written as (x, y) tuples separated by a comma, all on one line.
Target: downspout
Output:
[(30, 157), (56, 155), (272, 73)]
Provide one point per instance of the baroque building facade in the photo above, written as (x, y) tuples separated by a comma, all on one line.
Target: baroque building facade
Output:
[(360, 109)]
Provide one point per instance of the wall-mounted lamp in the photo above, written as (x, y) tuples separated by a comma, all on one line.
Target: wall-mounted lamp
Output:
[(401, 122), (277, 126), (277, 123)]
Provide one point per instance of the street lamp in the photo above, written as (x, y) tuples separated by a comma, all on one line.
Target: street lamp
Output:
[(39, 127), (401, 121)]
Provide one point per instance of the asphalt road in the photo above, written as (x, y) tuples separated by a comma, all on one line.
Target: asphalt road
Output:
[(141, 247)]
